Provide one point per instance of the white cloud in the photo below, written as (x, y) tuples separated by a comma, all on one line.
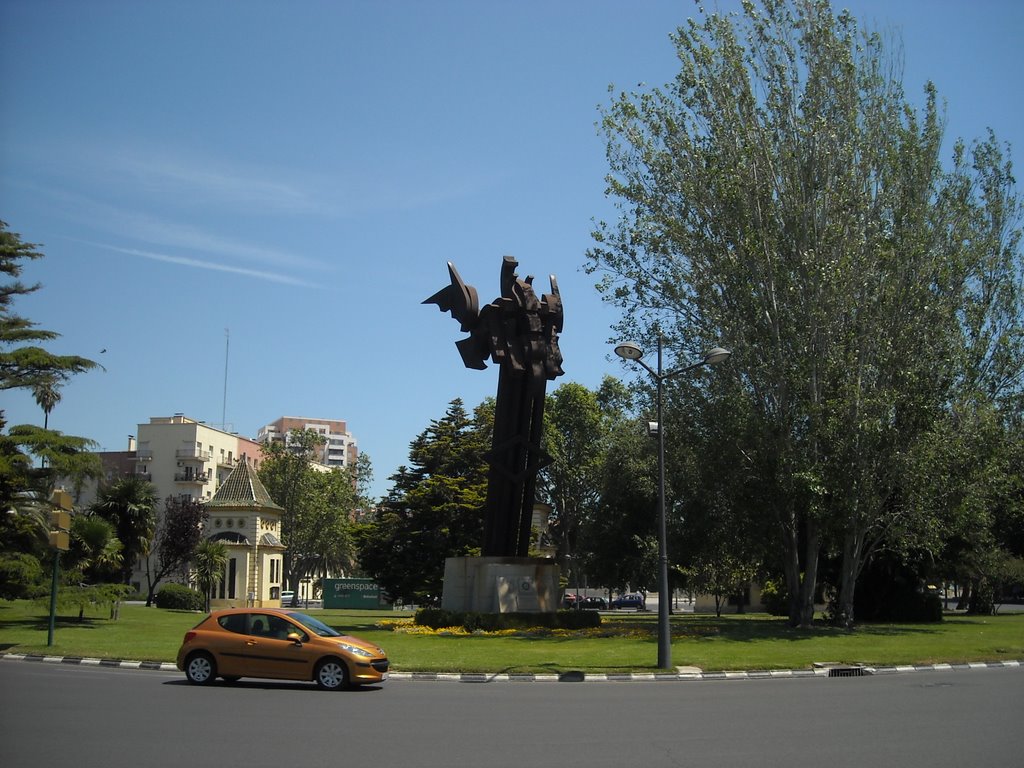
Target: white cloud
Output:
[(342, 187), (258, 274), (195, 180)]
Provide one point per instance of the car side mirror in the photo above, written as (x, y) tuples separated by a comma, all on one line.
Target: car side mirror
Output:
[(295, 637)]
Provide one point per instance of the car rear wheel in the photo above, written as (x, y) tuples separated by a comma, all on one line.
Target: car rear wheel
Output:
[(200, 669), (331, 675)]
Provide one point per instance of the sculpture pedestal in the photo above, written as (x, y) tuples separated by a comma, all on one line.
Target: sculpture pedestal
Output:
[(500, 585)]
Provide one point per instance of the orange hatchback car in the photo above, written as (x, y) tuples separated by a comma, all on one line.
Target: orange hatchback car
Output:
[(279, 644)]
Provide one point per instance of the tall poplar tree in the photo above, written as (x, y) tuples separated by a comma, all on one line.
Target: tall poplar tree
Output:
[(784, 198)]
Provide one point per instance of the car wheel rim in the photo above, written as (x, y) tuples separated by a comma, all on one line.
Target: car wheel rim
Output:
[(332, 675), (199, 669)]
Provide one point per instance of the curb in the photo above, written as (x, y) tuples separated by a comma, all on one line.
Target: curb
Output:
[(572, 676)]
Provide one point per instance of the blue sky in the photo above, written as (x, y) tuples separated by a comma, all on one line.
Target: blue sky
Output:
[(299, 173)]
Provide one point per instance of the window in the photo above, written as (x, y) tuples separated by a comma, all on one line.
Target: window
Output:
[(227, 586), (280, 628), (234, 622)]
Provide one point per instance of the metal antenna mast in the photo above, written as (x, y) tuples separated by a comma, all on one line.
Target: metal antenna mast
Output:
[(224, 406)]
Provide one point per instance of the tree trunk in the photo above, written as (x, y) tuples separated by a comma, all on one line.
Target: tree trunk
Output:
[(965, 596), (791, 566), (150, 585), (849, 570), (810, 581)]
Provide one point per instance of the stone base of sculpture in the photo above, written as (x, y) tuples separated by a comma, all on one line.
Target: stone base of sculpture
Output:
[(500, 585)]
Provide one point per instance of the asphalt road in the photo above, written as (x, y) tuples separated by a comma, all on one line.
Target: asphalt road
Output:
[(59, 715)]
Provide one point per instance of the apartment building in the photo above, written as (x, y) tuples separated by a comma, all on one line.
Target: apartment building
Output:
[(180, 456), (186, 458), (339, 450)]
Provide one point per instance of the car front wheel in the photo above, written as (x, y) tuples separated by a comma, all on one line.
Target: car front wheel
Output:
[(200, 669), (332, 675)]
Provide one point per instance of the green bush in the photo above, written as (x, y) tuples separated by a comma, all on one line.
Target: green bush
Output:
[(578, 619), (775, 597), (21, 576), (438, 618), (179, 597)]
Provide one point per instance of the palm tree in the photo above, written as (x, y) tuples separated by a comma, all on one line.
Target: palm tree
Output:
[(208, 563), (96, 546), (130, 504), (47, 394)]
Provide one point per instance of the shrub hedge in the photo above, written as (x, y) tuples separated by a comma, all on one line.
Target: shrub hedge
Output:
[(179, 597), (21, 576), (438, 618)]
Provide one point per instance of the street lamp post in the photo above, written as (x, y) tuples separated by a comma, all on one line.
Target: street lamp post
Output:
[(630, 351)]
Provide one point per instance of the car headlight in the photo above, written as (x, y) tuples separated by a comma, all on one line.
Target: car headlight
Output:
[(355, 650)]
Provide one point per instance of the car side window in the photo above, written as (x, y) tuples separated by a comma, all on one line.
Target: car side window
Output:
[(281, 628), (234, 622)]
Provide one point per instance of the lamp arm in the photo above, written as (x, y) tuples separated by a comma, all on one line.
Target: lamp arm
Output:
[(650, 370), (680, 371)]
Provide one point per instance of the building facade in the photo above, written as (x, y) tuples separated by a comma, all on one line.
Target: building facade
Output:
[(246, 520), (339, 450), (189, 459)]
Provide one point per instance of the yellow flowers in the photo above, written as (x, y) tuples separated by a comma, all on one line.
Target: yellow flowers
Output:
[(409, 627)]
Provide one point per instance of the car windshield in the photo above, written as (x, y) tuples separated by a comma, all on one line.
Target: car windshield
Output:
[(315, 626)]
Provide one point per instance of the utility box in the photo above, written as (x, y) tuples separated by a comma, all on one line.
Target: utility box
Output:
[(356, 594)]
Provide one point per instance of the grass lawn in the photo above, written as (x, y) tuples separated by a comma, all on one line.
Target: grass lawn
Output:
[(626, 642)]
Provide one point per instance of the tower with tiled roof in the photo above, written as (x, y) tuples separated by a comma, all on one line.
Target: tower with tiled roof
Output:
[(246, 519)]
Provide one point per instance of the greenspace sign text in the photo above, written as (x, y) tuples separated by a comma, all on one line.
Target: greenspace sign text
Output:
[(352, 593)]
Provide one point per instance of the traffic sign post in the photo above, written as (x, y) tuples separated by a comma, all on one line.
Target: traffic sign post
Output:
[(60, 541)]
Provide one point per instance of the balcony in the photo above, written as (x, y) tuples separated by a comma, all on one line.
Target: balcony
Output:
[(191, 477), (195, 454), (223, 461), (144, 454)]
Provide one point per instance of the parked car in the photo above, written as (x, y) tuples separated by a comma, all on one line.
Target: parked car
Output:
[(286, 598), (279, 644), (570, 600), (593, 603), (632, 600)]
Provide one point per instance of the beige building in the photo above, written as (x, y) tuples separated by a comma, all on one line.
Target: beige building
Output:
[(340, 448), (248, 522), (187, 459)]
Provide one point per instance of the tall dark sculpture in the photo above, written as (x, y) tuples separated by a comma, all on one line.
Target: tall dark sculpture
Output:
[(519, 332)]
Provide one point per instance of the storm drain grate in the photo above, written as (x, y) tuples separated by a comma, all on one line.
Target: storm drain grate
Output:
[(846, 672)]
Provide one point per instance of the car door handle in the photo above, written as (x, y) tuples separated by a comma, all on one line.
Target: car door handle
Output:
[(251, 642)]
